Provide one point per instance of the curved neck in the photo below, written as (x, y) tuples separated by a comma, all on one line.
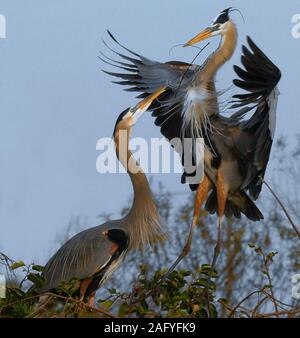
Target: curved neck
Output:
[(125, 156), (221, 55), (143, 219)]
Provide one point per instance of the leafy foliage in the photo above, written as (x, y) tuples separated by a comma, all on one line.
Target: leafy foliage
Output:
[(175, 296)]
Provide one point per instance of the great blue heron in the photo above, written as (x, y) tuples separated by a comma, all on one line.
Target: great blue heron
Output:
[(94, 254), (237, 149)]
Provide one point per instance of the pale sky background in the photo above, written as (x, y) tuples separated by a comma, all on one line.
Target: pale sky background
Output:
[(55, 103)]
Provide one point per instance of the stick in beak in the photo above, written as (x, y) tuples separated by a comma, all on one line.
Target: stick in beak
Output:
[(207, 33)]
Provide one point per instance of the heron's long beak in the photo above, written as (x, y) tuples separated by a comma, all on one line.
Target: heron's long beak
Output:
[(142, 106), (145, 104), (205, 34)]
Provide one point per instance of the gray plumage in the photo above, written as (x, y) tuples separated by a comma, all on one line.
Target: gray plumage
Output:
[(146, 76), (80, 257)]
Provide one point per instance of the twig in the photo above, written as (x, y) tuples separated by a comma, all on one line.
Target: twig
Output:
[(270, 281), (189, 67), (282, 303), (75, 301), (279, 313), (259, 304), (41, 308), (242, 301), (282, 206)]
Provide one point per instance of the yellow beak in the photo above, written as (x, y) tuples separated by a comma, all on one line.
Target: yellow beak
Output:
[(142, 106), (145, 104), (207, 33)]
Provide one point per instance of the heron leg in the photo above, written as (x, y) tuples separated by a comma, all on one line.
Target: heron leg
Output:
[(91, 301), (201, 196), (222, 193), (84, 284)]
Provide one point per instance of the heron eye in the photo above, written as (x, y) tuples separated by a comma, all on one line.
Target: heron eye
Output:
[(105, 233)]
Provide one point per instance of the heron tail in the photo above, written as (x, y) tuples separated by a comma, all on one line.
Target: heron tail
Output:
[(236, 205)]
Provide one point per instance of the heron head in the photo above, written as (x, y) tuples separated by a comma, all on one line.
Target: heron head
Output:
[(129, 117), (219, 26)]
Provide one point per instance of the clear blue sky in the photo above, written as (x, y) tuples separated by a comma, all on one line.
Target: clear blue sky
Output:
[(55, 102)]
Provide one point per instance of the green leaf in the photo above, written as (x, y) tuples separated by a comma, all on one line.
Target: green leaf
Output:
[(222, 301), (36, 279), (203, 313), (213, 311), (112, 291), (201, 282), (17, 265), (145, 304), (258, 250), (185, 273), (38, 268), (268, 286), (270, 256), (107, 304), (15, 292), (205, 267), (123, 310)]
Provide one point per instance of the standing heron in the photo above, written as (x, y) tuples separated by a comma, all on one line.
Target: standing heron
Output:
[(94, 254), (237, 149)]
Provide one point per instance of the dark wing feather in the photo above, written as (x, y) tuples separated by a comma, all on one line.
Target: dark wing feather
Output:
[(259, 79), (145, 75)]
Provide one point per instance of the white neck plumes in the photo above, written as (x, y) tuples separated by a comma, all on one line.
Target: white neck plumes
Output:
[(201, 100)]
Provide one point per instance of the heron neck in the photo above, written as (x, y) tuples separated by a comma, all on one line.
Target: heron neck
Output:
[(221, 55), (142, 219)]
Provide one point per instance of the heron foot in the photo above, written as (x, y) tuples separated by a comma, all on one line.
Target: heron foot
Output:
[(186, 250)]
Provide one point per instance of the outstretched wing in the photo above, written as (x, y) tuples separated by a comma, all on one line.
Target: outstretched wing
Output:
[(259, 79), (146, 76)]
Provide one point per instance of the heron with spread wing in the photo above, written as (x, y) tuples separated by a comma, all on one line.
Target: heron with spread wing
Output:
[(237, 148), (94, 254)]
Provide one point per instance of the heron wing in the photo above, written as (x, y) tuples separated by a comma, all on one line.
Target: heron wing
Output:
[(144, 75), (259, 79), (81, 257)]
